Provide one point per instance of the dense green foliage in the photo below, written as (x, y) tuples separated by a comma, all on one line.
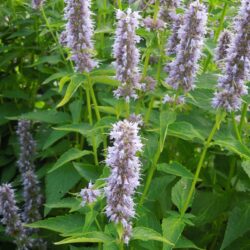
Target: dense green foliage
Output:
[(37, 83)]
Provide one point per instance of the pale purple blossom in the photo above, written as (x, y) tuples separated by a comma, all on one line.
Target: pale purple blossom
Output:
[(223, 45), (174, 39), (231, 85), (134, 118), (148, 84), (11, 218), (151, 24), (89, 195), (79, 34), (183, 69), (126, 54), (178, 100), (125, 174), (36, 4), (167, 11)]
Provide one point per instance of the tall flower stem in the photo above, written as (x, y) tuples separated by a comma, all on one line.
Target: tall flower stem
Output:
[(96, 108), (243, 116), (119, 3), (236, 129), (216, 126)]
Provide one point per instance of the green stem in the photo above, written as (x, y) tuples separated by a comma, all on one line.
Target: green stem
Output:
[(150, 174), (156, 9), (150, 107), (119, 3), (146, 62), (89, 106), (243, 116), (200, 163), (236, 129), (231, 171)]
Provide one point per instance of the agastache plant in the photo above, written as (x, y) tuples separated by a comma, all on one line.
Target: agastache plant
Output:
[(11, 218), (126, 54), (231, 85), (31, 189), (183, 69), (125, 174), (223, 45), (79, 33)]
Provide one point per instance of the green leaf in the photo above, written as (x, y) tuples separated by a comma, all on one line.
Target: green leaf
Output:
[(74, 84), (186, 243), (184, 130), (146, 234), (82, 128), (175, 168), (180, 192), (53, 137), (69, 202), (105, 80), (87, 171), (246, 167), (172, 228), (70, 155), (48, 116), (55, 76), (238, 224), (166, 118), (91, 237), (59, 182), (62, 224)]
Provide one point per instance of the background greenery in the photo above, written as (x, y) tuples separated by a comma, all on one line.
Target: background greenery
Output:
[(37, 83)]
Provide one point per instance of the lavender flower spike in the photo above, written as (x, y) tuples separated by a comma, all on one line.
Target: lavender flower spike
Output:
[(89, 194), (125, 174), (79, 33), (183, 69), (223, 45), (126, 54), (231, 85), (11, 217), (31, 188), (168, 10)]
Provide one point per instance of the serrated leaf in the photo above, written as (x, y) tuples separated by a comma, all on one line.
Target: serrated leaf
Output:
[(186, 243), (82, 128), (62, 224), (175, 168), (59, 182), (54, 137), (238, 224), (184, 130), (180, 192), (91, 237), (146, 234), (172, 228), (87, 171), (70, 155)]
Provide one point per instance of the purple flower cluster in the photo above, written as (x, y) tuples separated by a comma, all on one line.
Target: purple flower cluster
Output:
[(168, 10), (179, 100), (223, 45), (183, 69), (36, 4), (174, 39), (125, 174), (126, 54), (151, 24), (31, 189), (89, 194), (231, 85), (11, 217), (79, 33)]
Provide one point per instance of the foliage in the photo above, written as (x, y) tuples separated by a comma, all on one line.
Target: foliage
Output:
[(38, 83)]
